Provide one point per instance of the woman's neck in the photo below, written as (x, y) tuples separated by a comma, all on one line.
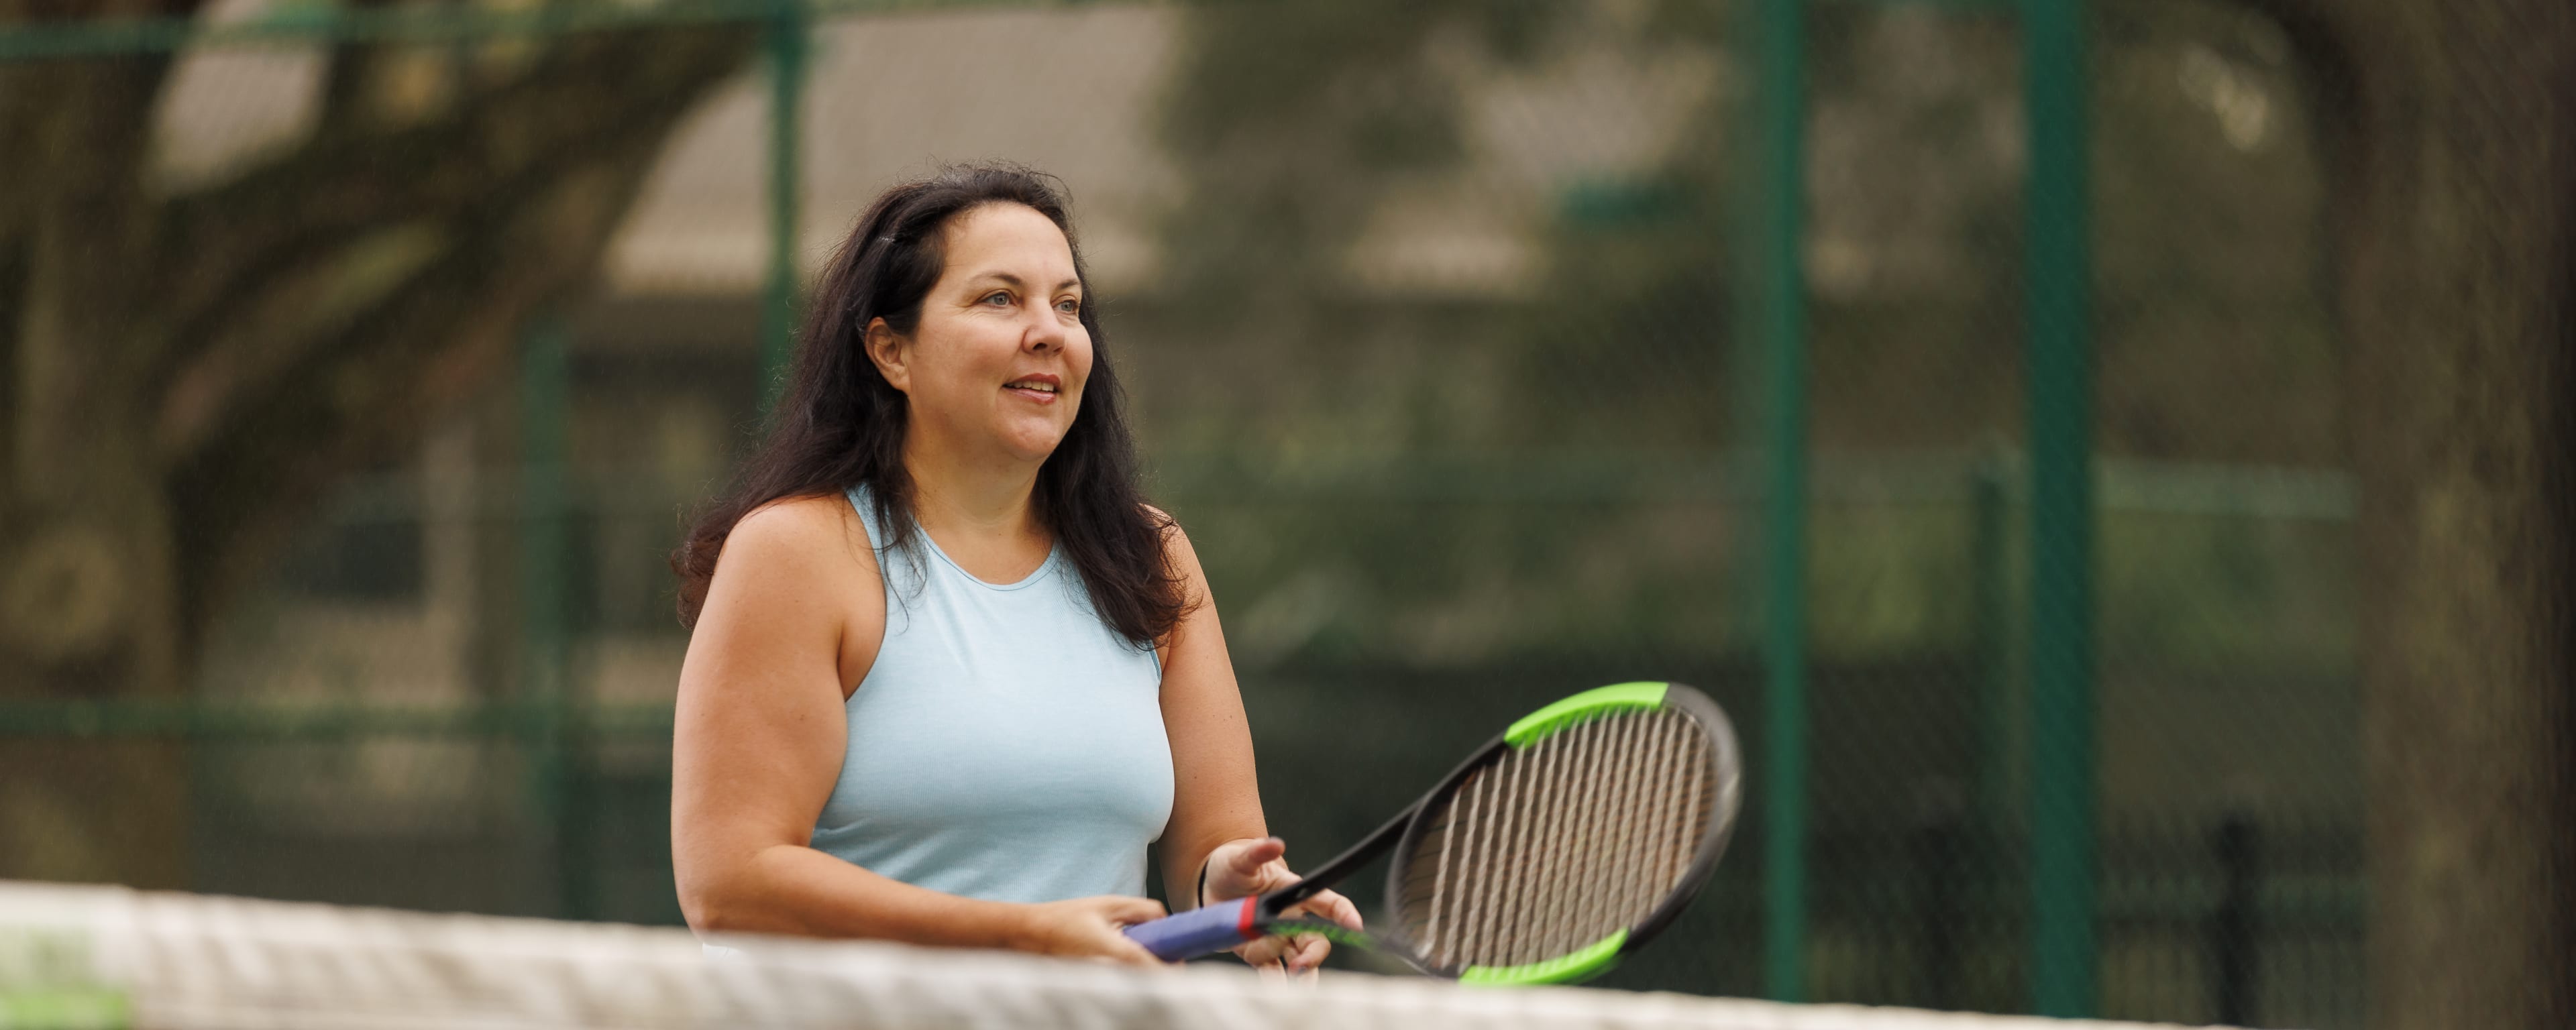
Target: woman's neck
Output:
[(983, 499)]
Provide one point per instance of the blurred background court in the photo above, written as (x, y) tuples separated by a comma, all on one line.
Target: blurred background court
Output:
[(1964, 393)]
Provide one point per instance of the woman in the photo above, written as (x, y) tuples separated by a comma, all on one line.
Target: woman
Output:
[(949, 675)]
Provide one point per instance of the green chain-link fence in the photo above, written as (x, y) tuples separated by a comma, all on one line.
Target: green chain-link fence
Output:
[(1942, 386)]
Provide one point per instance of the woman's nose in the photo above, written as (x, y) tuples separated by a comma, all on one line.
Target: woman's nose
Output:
[(1045, 334)]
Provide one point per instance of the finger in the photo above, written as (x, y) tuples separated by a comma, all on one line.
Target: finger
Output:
[(1124, 950), (1272, 971), (1307, 952), (1248, 859), (1247, 866), (1264, 952), (1131, 911), (1332, 906), (1345, 913), (1294, 954)]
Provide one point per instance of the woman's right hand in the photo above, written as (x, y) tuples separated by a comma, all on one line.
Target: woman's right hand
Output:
[(1090, 928)]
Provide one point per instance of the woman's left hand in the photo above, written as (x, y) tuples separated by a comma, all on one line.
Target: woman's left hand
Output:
[(1257, 865)]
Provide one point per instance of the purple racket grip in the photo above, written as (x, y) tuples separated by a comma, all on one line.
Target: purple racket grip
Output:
[(1199, 931)]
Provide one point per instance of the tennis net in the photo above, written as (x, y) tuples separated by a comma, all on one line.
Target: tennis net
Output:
[(83, 957)]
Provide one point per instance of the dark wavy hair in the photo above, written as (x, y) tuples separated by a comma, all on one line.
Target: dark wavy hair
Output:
[(841, 424)]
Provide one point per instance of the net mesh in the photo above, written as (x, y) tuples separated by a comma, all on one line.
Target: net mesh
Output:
[(91, 956)]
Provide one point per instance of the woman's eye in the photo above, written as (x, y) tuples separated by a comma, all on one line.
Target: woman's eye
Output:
[(1070, 307), (1002, 297)]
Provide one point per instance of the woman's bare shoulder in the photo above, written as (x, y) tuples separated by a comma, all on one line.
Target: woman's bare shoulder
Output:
[(1176, 542), (796, 532)]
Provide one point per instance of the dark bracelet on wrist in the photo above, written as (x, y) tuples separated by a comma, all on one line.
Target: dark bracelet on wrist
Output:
[(1202, 894)]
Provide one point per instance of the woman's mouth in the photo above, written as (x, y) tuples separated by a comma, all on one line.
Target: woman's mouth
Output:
[(1040, 389)]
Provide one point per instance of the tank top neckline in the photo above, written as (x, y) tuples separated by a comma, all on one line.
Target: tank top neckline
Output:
[(1055, 551)]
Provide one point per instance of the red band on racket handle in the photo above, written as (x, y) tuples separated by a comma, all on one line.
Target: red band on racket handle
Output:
[(1199, 932)]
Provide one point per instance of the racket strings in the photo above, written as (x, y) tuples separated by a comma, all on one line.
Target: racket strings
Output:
[(1556, 845)]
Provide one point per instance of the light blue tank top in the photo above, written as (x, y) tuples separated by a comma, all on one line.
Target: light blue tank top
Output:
[(1007, 744)]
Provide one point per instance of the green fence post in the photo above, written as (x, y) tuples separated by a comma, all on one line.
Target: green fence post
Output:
[(545, 629), (787, 46), (2058, 269), (1781, 306)]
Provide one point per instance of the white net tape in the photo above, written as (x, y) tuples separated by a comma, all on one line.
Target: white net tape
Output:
[(99, 956)]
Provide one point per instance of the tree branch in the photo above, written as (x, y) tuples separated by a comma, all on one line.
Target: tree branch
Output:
[(241, 245), (550, 179)]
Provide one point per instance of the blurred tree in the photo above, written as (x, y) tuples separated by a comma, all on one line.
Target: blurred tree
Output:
[(188, 369), (2455, 261), (1292, 124)]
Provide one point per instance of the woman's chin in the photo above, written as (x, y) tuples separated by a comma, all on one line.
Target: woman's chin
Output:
[(1032, 447)]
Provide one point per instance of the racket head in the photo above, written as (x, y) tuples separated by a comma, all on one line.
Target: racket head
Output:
[(1569, 841)]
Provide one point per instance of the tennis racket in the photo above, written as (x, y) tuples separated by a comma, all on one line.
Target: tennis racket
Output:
[(1559, 846)]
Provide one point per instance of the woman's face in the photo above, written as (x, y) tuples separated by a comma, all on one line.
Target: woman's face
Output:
[(997, 364)]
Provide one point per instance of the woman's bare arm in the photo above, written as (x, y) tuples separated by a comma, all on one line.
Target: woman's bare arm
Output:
[(1216, 794), (1216, 820)]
